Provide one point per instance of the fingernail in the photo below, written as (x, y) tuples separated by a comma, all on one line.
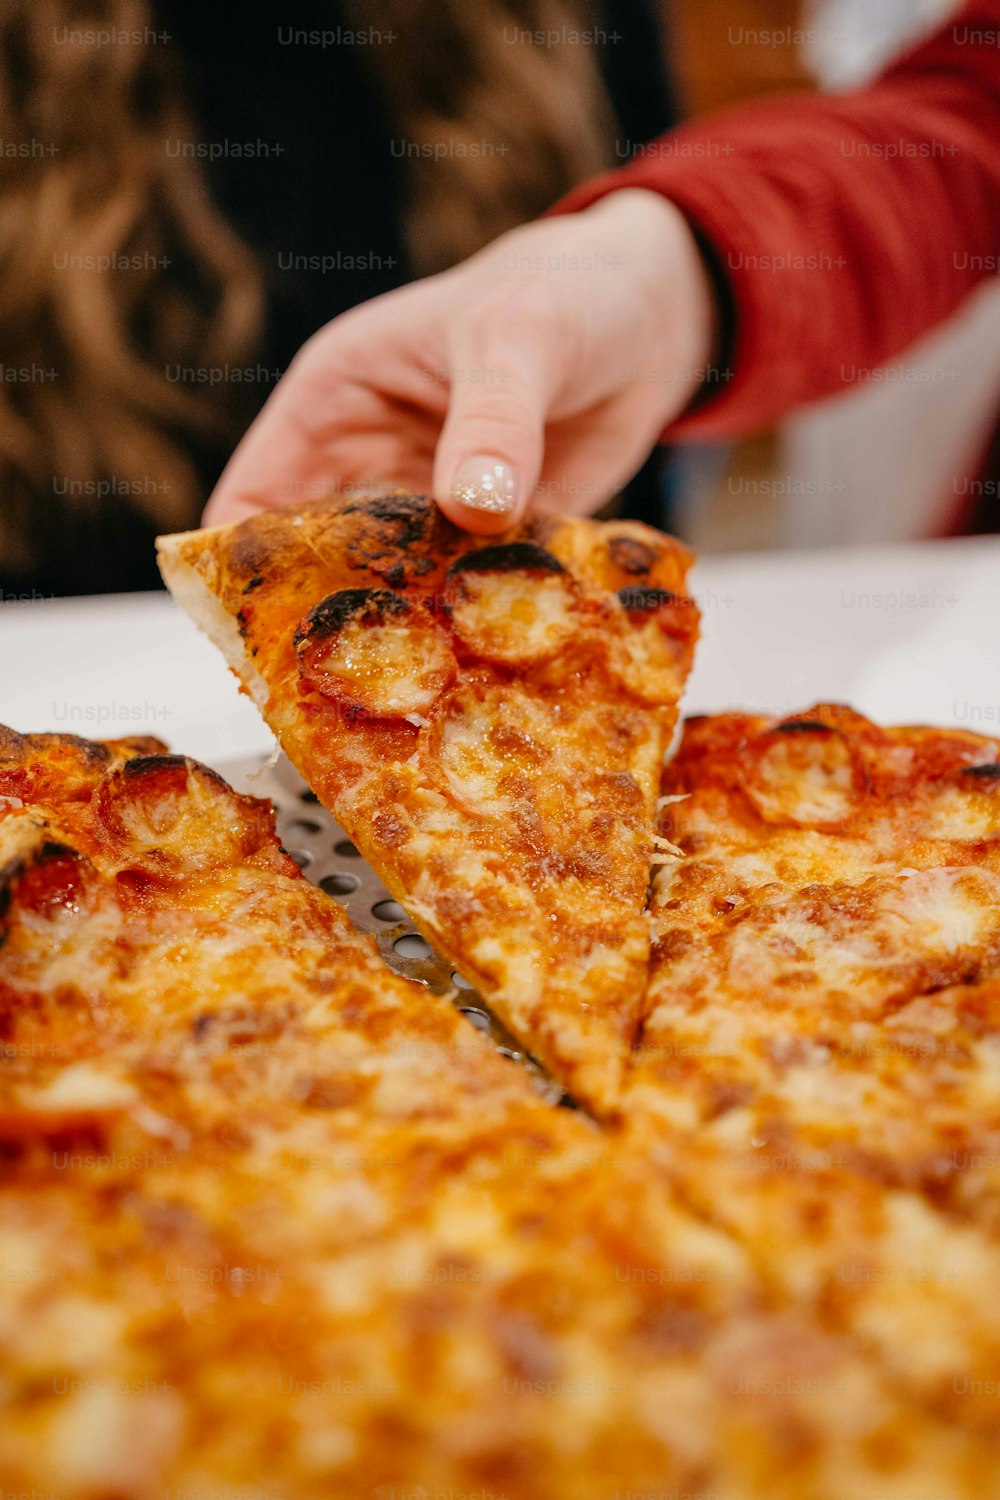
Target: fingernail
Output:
[(485, 483)]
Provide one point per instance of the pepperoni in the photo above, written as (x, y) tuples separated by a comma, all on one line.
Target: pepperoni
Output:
[(650, 652), (46, 880), (631, 555), (507, 557), (638, 601), (374, 653), (167, 816), (805, 777), (986, 775), (513, 603)]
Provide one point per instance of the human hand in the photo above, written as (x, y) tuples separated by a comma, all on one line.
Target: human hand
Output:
[(545, 365)]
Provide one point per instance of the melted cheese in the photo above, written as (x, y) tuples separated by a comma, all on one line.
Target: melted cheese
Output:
[(518, 618), (947, 910), (803, 778), (394, 669), (819, 1061), (305, 1206)]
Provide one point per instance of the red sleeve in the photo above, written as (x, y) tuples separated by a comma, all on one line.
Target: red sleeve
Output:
[(846, 225)]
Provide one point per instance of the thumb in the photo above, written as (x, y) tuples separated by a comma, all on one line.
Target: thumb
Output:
[(490, 452)]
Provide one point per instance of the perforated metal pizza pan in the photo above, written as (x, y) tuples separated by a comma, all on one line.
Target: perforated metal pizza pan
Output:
[(327, 857)]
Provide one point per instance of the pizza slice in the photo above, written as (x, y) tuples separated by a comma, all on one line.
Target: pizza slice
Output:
[(151, 923), (817, 1069), (832, 880), (488, 725)]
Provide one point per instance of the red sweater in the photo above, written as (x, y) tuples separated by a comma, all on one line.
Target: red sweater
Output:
[(846, 225)]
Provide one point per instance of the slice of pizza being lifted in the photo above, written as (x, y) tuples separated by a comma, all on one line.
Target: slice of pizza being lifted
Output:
[(488, 725)]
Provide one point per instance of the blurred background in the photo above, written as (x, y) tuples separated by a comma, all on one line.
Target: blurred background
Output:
[(186, 195), (906, 453)]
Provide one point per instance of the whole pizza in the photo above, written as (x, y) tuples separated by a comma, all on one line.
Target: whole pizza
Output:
[(277, 1222)]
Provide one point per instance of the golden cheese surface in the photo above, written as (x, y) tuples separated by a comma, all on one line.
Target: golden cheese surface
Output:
[(819, 1066), (275, 1221)]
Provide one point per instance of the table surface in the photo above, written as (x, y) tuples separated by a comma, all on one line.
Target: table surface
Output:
[(905, 634)]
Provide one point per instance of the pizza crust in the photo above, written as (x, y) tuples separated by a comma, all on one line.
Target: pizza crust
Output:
[(191, 591)]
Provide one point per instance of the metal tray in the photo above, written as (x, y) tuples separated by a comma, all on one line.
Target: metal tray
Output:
[(327, 857)]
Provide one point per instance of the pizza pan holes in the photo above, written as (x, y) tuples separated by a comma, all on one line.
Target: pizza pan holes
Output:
[(388, 911), (302, 857), (304, 826), (337, 869), (411, 946)]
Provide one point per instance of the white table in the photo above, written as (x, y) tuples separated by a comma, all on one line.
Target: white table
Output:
[(906, 633)]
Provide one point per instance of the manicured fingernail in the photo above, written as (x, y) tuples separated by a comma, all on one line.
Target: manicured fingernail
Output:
[(485, 483)]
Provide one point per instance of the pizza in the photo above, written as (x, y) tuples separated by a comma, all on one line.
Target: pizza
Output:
[(819, 1058), (275, 1221), (833, 881), (820, 879), (486, 722)]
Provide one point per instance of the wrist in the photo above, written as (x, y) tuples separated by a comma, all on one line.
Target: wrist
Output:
[(679, 308)]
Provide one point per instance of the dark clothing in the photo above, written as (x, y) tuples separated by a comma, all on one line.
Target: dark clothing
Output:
[(317, 199), (335, 192)]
